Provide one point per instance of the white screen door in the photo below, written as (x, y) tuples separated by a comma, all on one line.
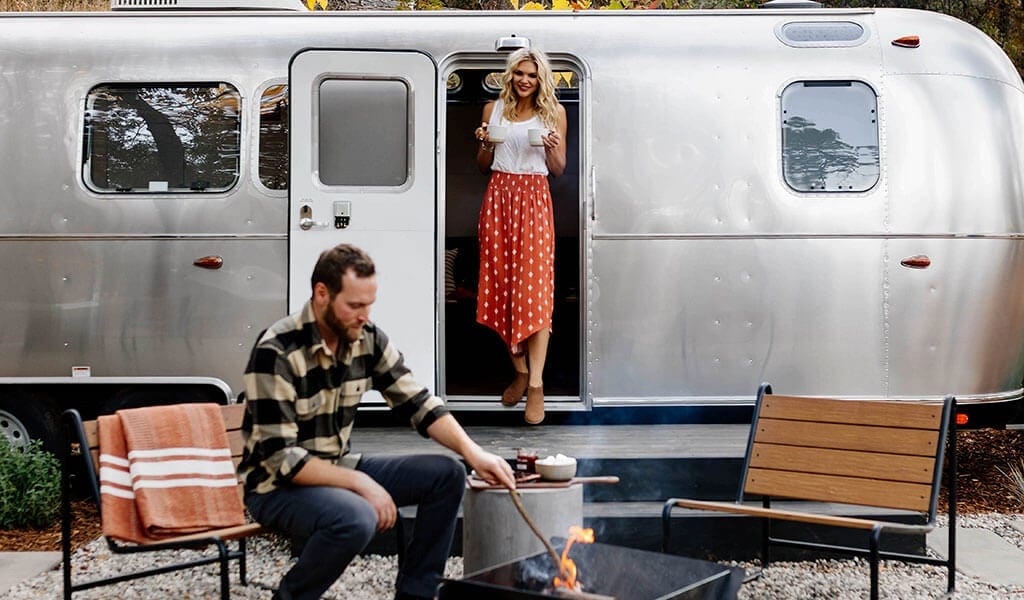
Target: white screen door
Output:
[(362, 147)]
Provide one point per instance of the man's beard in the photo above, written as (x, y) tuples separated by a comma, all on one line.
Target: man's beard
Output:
[(339, 328)]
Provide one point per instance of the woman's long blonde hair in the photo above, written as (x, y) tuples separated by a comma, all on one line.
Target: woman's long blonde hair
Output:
[(545, 103)]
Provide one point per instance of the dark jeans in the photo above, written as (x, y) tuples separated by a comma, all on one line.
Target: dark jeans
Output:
[(339, 523)]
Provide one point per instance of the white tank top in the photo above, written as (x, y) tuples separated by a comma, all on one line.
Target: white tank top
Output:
[(515, 154)]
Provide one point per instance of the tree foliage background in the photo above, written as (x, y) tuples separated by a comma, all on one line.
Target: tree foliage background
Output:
[(1002, 20)]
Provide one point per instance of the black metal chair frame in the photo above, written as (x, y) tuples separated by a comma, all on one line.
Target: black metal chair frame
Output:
[(75, 434), (873, 551)]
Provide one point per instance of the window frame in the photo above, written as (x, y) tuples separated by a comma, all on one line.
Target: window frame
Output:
[(781, 133), (410, 174), (87, 157)]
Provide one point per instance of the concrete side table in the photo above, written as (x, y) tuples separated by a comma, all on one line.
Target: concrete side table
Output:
[(493, 531)]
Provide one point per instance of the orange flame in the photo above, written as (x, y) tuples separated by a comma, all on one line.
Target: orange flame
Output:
[(568, 566)]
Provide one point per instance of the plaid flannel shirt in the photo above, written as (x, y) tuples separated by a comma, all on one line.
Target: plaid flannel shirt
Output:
[(301, 399)]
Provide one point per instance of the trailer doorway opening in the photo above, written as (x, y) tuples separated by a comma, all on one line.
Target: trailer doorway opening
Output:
[(476, 362)]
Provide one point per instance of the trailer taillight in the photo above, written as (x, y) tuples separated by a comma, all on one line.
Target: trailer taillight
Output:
[(961, 419)]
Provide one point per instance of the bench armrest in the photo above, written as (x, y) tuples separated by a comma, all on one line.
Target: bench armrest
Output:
[(803, 517)]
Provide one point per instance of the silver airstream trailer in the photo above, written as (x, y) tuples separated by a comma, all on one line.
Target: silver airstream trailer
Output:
[(828, 199)]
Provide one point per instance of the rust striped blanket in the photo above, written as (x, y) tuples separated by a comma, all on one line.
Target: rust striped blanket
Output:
[(166, 471)]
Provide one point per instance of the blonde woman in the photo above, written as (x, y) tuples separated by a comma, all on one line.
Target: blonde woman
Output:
[(516, 228)]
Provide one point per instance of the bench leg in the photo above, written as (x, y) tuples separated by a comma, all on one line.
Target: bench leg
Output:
[(225, 589), (875, 541), (65, 510), (241, 562)]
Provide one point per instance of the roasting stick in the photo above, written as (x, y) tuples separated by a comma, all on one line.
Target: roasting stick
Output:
[(533, 527), (563, 593)]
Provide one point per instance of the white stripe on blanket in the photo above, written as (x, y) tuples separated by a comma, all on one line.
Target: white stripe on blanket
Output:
[(114, 460), (115, 476), (162, 452), (222, 468), (116, 491)]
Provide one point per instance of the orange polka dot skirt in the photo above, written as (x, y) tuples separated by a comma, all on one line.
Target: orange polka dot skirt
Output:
[(517, 257)]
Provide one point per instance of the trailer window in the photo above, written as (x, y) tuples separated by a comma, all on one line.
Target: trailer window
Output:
[(162, 138), (830, 136), (273, 159), (363, 132)]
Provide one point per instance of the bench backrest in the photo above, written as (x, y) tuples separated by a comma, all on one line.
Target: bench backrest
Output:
[(232, 413), (867, 452)]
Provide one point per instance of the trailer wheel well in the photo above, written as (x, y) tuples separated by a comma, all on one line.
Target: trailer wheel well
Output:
[(25, 417)]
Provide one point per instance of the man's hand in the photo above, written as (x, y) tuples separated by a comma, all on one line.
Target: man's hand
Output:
[(492, 468), (379, 499)]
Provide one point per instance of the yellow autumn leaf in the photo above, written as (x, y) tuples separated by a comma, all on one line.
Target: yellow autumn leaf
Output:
[(311, 4), (560, 5), (533, 6), (514, 3)]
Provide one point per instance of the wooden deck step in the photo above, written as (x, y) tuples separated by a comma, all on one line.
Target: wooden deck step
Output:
[(653, 462)]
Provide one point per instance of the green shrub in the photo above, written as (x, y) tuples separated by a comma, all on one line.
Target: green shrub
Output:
[(29, 486)]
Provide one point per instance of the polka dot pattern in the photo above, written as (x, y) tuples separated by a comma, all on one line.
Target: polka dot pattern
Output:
[(517, 257)]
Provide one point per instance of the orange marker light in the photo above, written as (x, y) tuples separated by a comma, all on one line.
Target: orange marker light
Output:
[(907, 41), (961, 418)]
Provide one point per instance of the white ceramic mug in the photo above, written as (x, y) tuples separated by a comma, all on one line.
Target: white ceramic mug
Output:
[(496, 134), (536, 136)]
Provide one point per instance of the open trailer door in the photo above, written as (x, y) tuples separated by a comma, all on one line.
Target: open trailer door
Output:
[(362, 148)]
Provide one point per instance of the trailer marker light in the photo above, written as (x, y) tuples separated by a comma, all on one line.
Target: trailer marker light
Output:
[(209, 262), (916, 262), (961, 418), (907, 41)]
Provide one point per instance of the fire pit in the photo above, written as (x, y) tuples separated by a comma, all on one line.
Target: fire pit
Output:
[(605, 571)]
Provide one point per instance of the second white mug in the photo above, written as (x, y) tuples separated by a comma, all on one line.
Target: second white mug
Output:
[(536, 136)]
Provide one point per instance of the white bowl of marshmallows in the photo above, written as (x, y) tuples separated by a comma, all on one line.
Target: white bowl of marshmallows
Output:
[(556, 468)]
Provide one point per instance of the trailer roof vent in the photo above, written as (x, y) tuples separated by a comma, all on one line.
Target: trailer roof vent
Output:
[(821, 34), (207, 5), (791, 4)]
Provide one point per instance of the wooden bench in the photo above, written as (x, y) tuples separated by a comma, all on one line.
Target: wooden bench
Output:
[(83, 445), (874, 453)]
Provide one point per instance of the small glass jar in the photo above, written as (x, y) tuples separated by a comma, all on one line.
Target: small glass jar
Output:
[(525, 459)]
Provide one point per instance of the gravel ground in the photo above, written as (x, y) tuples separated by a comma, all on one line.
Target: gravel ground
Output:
[(372, 577)]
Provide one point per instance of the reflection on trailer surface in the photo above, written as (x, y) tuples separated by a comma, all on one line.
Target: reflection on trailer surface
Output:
[(751, 195)]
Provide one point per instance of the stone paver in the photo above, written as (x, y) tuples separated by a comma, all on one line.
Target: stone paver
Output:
[(983, 554), (16, 567)]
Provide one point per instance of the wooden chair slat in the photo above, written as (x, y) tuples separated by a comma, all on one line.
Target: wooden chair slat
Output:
[(892, 440), (92, 433), (911, 415), (236, 442), (233, 415), (831, 488), (850, 463)]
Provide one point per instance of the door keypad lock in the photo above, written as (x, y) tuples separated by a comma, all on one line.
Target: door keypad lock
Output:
[(342, 214), (341, 217)]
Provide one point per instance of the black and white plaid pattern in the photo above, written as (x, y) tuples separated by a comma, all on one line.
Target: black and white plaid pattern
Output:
[(301, 399)]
